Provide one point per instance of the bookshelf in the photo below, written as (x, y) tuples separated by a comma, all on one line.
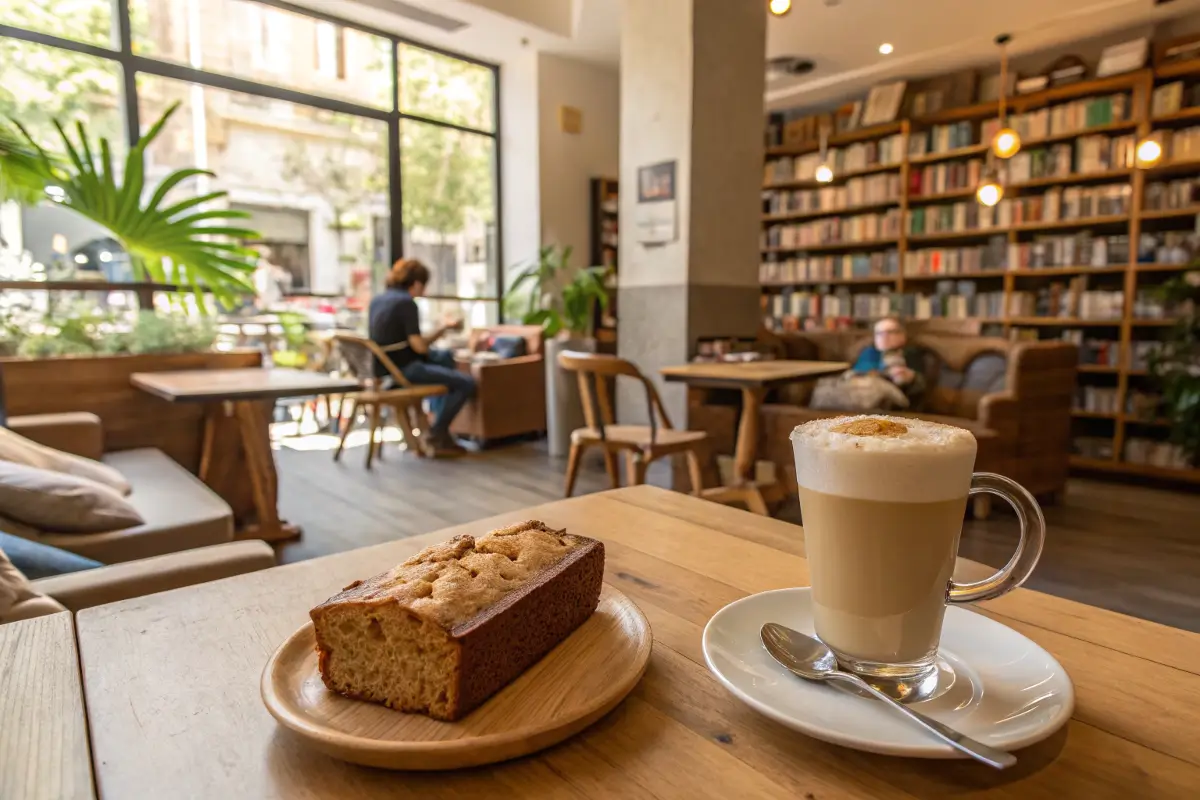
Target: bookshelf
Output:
[(987, 269), (605, 197)]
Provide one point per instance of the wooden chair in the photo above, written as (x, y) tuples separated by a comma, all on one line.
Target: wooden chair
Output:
[(640, 444), (405, 399)]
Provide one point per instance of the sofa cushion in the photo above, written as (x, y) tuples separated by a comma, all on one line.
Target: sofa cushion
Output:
[(20, 450), (180, 512), (37, 560), (49, 500), (18, 599)]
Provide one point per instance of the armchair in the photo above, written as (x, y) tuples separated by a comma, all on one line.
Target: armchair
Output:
[(510, 395)]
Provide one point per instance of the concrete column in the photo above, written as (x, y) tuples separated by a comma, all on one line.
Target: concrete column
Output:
[(692, 82)]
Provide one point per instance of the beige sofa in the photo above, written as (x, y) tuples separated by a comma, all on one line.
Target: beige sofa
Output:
[(21, 599), (180, 512)]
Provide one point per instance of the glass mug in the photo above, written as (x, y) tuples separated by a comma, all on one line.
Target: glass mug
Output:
[(883, 501)]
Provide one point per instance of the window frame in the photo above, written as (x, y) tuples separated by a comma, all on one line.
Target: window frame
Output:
[(133, 64)]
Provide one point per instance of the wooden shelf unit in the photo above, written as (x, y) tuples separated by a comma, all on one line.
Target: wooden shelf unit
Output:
[(604, 219), (1125, 329)]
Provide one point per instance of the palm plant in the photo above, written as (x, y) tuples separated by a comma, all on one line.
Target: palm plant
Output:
[(569, 308), (177, 243), (21, 178)]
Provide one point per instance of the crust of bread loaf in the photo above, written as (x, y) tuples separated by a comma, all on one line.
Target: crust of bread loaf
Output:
[(502, 639)]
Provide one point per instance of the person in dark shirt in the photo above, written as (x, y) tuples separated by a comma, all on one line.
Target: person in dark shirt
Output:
[(394, 324), (891, 358)]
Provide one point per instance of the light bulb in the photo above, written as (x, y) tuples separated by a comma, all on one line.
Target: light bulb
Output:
[(885, 49), (780, 7), (1006, 143), (1149, 152), (989, 192), (824, 173)]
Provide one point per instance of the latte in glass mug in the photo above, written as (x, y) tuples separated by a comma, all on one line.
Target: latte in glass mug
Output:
[(883, 500)]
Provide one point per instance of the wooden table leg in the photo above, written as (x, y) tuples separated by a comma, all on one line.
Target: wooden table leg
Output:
[(256, 443), (745, 489)]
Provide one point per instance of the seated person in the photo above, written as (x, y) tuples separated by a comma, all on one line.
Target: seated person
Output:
[(394, 324), (891, 359)]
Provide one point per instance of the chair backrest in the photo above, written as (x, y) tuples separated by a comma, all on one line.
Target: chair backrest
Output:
[(360, 354), (593, 371)]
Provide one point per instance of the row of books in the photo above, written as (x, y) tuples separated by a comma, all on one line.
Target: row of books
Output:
[(1097, 399), (857, 156), (1094, 352), (1169, 247), (1081, 249), (1164, 195), (941, 139), (1181, 145), (881, 188), (957, 260), (1064, 118), (813, 269), (1061, 204), (1172, 97), (1143, 405), (1086, 156), (1098, 447), (801, 304), (948, 176), (1155, 453), (1068, 300), (1149, 303), (834, 230), (955, 304), (953, 217), (950, 301)]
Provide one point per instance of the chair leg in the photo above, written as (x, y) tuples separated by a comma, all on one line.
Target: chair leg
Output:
[(374, 429), (404, 420), (347, 423), (695, 471), (572, 468), (610, 464), (636, 460)]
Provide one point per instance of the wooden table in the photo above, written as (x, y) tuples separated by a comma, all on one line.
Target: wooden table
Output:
[(753, 378), (172, 681), (237, 394), (43, 733)]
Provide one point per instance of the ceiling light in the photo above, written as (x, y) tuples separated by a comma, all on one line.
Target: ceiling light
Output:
[(780, 7), (824, 173), (989, 191), (1149, 152), (885, 49), (1006, 143)]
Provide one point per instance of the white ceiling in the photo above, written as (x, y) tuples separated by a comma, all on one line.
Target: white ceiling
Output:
[(841, 37)]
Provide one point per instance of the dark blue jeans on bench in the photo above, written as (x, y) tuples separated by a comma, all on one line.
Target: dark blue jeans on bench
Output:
[(38, 560), (438, 369)]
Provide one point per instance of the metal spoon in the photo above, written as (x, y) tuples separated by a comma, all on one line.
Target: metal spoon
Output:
[(810, 658)]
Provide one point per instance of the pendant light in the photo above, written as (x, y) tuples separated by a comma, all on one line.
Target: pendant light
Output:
[(1006, 142), (1149, 151), (824, 172), (990, 190)]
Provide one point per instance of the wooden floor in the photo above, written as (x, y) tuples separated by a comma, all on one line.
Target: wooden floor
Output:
[(1130, 549)]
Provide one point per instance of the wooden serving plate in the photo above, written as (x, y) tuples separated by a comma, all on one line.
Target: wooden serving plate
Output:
[(574, 685)]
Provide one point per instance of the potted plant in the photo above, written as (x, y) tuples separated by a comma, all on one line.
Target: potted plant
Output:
[(563, 300), (1176, 365)]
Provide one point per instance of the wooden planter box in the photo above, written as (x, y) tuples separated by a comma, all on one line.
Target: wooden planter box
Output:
[(131, 418)]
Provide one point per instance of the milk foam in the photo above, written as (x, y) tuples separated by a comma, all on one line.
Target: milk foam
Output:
[(925, 463)]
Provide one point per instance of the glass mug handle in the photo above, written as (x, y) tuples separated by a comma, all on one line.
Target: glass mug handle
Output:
[(1029, 548)]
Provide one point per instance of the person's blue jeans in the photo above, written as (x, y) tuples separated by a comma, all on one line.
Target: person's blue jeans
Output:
[(438, 369)]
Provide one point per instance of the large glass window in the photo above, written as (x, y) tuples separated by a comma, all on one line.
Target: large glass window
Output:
[(446, 89), (293, 114), (310, 179), (267, 44), (89, 21)]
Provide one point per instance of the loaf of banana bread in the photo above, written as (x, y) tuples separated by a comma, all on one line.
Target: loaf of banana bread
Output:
[(458, 621)]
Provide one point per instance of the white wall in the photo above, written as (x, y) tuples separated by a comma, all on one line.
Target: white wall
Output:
[(567, 161), (519, 142)]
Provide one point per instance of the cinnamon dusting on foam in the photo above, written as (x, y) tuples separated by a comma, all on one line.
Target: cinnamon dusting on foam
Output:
[(870, 426)]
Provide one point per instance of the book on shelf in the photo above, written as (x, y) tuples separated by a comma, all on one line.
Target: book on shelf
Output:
[(1155, 453), (957, 260), (1166, 99), (955, 218), (941, 139), (948, 176), (868, 189), (1067, 300), (1180, 145), (1063, 204), (1082, 249), (851, 158), (842, 266), (834, 230), (1063, 118)]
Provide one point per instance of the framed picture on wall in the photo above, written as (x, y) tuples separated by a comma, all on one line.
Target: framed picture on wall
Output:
[(883, 103)]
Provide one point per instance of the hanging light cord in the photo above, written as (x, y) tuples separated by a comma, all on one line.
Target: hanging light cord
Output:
[(1002, 40)]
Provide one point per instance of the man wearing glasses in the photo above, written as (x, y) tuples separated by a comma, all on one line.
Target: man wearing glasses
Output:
[(889, 358)]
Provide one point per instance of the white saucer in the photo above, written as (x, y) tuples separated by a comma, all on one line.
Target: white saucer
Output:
[(999, 687)]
